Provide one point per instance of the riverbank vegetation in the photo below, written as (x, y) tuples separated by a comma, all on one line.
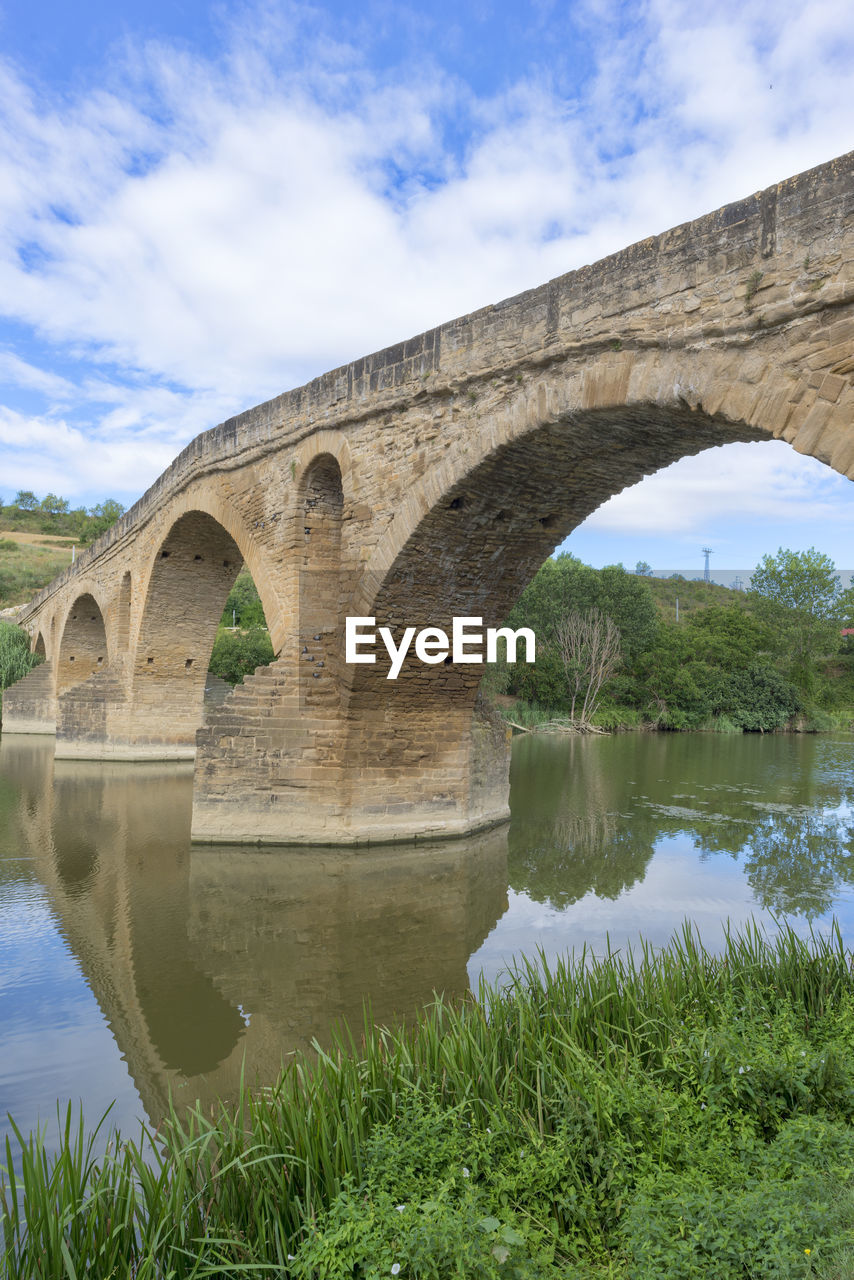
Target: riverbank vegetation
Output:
[(757, 661), (676, 1114)]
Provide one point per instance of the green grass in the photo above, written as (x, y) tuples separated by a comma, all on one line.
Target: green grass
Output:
[(673, 1114)]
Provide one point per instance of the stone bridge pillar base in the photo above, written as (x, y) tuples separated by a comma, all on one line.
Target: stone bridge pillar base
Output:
[(29, 706), (268, 774)]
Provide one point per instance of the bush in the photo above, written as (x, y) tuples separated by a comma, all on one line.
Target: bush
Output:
[(616, 718), (760, 698), (237, 653), (762, 1228)]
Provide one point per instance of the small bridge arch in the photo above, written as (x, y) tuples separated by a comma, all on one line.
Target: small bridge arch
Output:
[(83, 644)]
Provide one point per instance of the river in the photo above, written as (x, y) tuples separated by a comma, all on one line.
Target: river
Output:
[(134, 964)]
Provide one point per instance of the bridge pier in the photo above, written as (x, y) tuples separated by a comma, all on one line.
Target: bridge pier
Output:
[(267, 772)]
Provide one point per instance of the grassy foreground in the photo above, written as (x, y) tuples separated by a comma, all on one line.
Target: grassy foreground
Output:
[(677, 1115)]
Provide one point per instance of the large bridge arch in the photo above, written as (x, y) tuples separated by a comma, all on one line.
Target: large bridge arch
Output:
[(603, 427)]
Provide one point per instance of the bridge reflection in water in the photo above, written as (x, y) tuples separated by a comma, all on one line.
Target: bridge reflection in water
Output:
[(202, 958), (199, 956)]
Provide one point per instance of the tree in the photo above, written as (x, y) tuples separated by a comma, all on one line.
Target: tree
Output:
[(26, 500), (243, 607), (54, 506), (103, 516), (846, 607), (726, 637), (564, 583), (643, 569), (681, 689), (797, 594), (589, 647)]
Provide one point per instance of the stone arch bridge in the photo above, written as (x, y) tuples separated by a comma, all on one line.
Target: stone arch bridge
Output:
[(428, 481)]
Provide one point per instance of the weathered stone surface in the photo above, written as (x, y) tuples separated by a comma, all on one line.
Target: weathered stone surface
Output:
[(430, 480)]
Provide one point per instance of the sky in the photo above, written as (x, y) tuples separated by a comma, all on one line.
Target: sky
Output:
[(203, 205)]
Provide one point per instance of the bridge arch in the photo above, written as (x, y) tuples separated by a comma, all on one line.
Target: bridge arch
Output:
[(475, 529), (83, 647), (602, 427), (193, 570), (39, 648), (208, 501)]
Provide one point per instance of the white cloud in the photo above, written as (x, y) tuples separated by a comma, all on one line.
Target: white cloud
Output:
[(717, 487), (15, 372), (52, 455)]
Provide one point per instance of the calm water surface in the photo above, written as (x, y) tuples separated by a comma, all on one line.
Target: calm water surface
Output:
[(134, 964)]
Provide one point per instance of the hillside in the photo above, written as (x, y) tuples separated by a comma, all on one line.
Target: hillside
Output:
[(36, 541), (27, 565), (693, 596)]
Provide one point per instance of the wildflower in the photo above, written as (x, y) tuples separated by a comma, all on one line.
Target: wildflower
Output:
[(400, 1207), (465, 1172), (807, 1251), (395, 1268)]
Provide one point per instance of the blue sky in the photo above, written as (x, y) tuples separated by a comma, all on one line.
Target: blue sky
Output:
[(202, 205)]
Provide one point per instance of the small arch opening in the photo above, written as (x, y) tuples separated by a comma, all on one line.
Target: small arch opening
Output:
[(83, 649)]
